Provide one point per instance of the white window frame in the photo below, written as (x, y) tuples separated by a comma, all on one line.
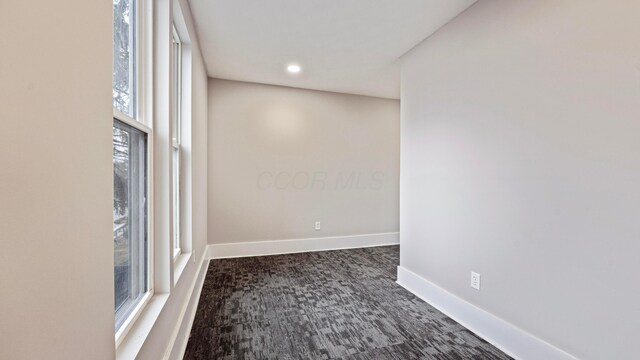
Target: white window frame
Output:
[(176, 132), (143, 122)]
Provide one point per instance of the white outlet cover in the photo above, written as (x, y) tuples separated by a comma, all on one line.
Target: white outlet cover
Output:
[(317, 225), (475, 280)]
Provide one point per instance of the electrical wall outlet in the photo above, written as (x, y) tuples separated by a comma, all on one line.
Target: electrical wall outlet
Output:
[(475, 280), (317, 225)]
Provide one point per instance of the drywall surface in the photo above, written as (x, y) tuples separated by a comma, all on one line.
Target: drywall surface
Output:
[(56, 183), (520, 162), (281, 159)]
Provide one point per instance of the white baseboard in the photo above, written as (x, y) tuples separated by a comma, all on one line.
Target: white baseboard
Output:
[(512, 340), (275, 247), (178, 341)]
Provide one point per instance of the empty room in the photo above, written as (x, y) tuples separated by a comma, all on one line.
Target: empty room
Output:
[(304, 179)]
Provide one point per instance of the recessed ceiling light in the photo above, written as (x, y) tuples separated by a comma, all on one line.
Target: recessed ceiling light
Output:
[(293, 68)]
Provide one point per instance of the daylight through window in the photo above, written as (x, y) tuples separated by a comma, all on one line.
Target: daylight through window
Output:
[(130, 171)]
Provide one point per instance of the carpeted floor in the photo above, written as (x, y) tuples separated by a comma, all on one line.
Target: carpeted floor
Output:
[(322, 305)]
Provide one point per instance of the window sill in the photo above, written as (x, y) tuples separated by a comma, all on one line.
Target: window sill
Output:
[(135, 338), (179, 264)]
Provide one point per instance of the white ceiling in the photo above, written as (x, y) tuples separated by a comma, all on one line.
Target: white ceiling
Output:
[(349, 46)]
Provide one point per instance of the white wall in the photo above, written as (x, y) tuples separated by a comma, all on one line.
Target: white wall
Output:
[(282, 158), (520, 161), (56, 184)]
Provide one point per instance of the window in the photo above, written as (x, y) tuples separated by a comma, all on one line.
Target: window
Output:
[(130, 172), (176, 123), (124, 57), (129, 218)]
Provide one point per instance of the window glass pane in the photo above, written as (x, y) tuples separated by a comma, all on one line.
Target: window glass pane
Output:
[(176, 98), (124, 56), (176, 94), (176, 199), (129, 218)]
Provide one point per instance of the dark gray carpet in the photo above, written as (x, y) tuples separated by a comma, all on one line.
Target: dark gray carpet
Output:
[(322, 305)]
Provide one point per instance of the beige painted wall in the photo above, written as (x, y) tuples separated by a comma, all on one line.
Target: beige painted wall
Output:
[(56, 262), (520, 125), (282, 158)]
